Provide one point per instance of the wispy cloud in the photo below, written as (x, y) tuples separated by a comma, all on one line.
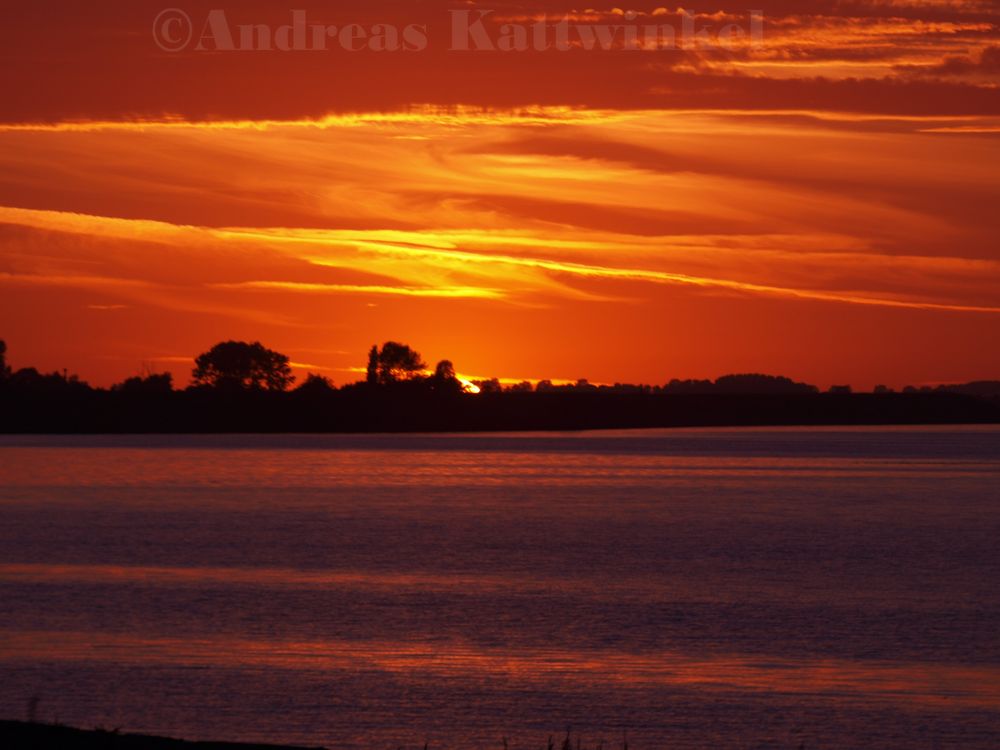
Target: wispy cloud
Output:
[(301, 286), (505, 230)]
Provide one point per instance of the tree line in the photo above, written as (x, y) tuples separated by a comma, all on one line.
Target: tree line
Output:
[(239, 386), (236, 366)]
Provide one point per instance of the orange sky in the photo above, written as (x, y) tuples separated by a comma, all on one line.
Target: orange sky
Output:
[(822, 205)]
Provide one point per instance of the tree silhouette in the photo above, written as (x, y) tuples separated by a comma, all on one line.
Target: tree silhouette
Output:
[(398, 362), (372, 376), (4, 369), (444, 370), (237, 364), (445, 380)]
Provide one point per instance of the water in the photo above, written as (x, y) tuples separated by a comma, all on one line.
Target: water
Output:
[(697, 588)]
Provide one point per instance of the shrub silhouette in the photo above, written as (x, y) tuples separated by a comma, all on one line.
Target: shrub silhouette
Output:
[(4, 369), (742, 384), (152, 383), (315, 385)]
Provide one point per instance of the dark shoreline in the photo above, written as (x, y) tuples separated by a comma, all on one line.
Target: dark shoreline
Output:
[(201, 412), (20, 735)]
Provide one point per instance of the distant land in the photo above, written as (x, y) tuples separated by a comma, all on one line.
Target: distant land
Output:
[(240, 387)]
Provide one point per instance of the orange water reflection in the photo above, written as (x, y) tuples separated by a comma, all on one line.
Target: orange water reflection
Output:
[(950, 685)]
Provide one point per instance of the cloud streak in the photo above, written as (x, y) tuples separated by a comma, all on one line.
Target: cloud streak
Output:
[(808, 240)]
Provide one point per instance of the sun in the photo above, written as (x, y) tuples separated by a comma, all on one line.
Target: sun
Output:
[(468, 386)]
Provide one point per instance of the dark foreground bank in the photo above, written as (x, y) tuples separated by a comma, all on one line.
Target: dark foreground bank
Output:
[(19, 735), (412, 410)]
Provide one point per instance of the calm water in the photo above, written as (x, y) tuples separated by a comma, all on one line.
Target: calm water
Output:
[(701, 589)]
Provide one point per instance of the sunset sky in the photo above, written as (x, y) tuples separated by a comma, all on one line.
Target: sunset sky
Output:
[(822, 204)]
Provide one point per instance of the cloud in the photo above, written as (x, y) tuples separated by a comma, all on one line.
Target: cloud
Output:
[(506, 238), (985, 63), (299, 286), (105, 65)]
